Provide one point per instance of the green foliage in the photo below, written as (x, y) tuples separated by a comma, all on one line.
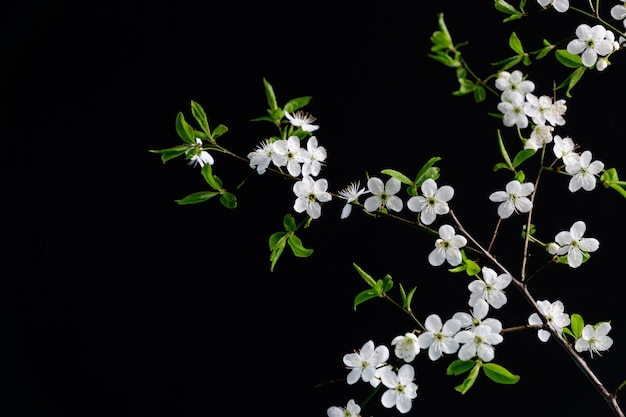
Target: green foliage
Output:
[(378, 288), (497, 373), (278, 240)]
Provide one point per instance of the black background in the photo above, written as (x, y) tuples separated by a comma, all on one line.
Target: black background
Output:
[(117, 301)]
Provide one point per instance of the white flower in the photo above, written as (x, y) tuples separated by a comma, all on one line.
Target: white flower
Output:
[(560, 6), (432, 202), (351, 193), (555, 316), (574, 244), (508, 82), (350, 410), (439, 339), (302, 120), (514, 198), (512, 107), (564, 149), (540, 135), (406, 347), (317, 155), (477, 317), (447, 247), (537, 107), (618, 12), (583, 172), (365, 363), (383, 195), (402, 390), (309, 192), (490, 288), (261, 156), (594, 339), (590, 44), (290, 154), (200, 156), (479, 342)]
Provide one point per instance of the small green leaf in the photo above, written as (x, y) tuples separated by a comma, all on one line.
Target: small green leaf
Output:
[(516, 44), (296, 247), (269, 93), (459, 367), (296, 104), (387, 283), (198, 113), (364, 296), (397, 175), (277, 244), (212, 180), (228, 200), (428, 171), (577, 324), (198, 197), (505, 154), (568, 59), (219, 131), (368, 279), (469, 380), (522, 155), (499, 374), (289, 223), (184, 130), (275, 238)]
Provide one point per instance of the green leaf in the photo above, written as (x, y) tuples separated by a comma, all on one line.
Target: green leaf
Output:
[(471, 267), (368, 279), (505, 154), (568, 59), (506, 7), (522, 155), (296, 247), (397, 175), (212, 180), (198, 197), (387, 283), (469, 380), (499, 374), (480, 94), (296, 104), (573, 79), (269, 93), (198, 113), (228, 200), (171, 153), (408, 299), (459, 367), (577, 324), (289, 223), (184, 130), (219, 131), (277, 242), (428, 171), (516, 44), (364, 296)]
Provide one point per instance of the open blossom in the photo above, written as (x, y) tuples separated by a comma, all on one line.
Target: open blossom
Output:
[(512, 107), (261, 157), (618, 12), (583, 172), (564, 149), (574, 244), (383, 195), (594, 339), (560, 6), (309, 193), (555, 316), (432, 202), (478, 317), (316, 156), (513, 199), (439, 337), (591, 42), (365, 363), (289, 153), (490, 288), (513, 82), (478, 341), (406, 347), (540, 135), (200, 157), (447, 247), (401, 388), (351, 193), (352, 409), (302, 120)]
